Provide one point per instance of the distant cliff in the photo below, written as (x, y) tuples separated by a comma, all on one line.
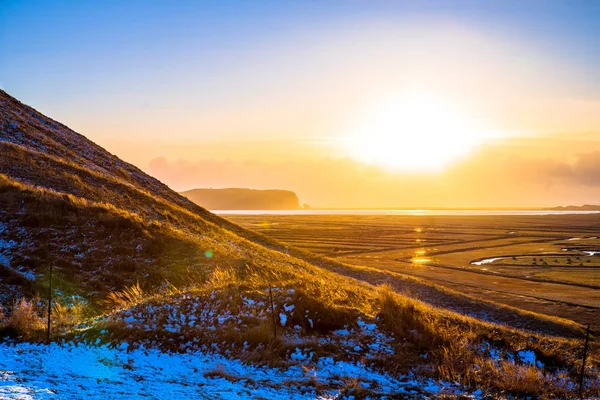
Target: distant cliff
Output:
[(243, 199)]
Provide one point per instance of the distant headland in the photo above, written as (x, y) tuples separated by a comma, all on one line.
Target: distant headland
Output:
[(244, 199)]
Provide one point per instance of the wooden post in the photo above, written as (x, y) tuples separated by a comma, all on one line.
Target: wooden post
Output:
[(49, 305), (273, 311), (585, 349)]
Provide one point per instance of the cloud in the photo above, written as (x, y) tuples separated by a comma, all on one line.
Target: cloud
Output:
[(493, 176), (586, 169)]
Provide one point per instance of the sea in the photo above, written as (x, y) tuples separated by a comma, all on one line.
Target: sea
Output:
[(462, 212)]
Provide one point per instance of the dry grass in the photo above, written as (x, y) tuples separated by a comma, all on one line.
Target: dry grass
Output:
[(125, 298), (354, 390), (261, 334), (507, 376), (456, 349), (65, 316), (453, 343), (25, 320), (407, 318), (222, 277)]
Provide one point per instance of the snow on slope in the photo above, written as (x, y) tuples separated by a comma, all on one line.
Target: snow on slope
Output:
[(35, 371), (4, 245)]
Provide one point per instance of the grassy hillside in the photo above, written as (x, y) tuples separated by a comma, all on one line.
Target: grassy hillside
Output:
[(67, 201), (134, 260)]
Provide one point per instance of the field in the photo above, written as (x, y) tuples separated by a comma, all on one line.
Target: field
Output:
[(545, 264)]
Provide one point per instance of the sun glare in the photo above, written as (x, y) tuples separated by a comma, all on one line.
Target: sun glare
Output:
[(416, 133)]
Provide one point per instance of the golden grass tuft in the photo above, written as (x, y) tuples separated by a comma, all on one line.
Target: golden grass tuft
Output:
[(125, 298), (259, 334), (25, 321), (407, 318), (64, 316), (222, 277)]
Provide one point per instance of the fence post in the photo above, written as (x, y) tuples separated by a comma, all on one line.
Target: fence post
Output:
[(49, 305), (585, 349), (273, 311)]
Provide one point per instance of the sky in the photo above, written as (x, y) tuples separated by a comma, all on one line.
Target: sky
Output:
[(347, 103)]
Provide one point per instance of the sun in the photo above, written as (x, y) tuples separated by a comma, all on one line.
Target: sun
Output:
[(416, 133)]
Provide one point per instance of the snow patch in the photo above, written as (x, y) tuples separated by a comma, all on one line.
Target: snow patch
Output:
[(527, 356)]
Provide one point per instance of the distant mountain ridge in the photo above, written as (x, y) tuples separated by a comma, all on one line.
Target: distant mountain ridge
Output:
[(243, 199), (585, 207)]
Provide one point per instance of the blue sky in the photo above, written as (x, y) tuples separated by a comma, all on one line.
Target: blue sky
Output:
[(171, 84), (60, 52)]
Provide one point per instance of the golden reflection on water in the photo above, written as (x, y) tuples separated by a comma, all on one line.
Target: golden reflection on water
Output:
[(265, 224), (419, 257)]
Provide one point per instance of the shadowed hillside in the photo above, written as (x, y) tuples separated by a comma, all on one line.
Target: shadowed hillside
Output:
[(243, 199)]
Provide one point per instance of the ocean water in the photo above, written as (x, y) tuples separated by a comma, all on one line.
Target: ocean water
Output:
[(401, 212)]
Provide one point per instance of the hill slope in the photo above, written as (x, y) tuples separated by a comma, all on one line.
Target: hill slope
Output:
[(243, 199), (100, 221)]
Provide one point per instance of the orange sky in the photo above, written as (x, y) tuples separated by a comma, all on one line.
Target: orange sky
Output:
[(394, 105), (533, 140), (542, 171)]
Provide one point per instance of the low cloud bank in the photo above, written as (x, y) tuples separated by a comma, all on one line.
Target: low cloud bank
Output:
[(494, 176)]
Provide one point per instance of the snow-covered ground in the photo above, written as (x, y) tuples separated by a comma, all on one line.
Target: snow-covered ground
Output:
[(37, 371)]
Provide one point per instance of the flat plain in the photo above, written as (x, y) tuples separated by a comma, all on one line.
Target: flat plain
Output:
[(548, 264)]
